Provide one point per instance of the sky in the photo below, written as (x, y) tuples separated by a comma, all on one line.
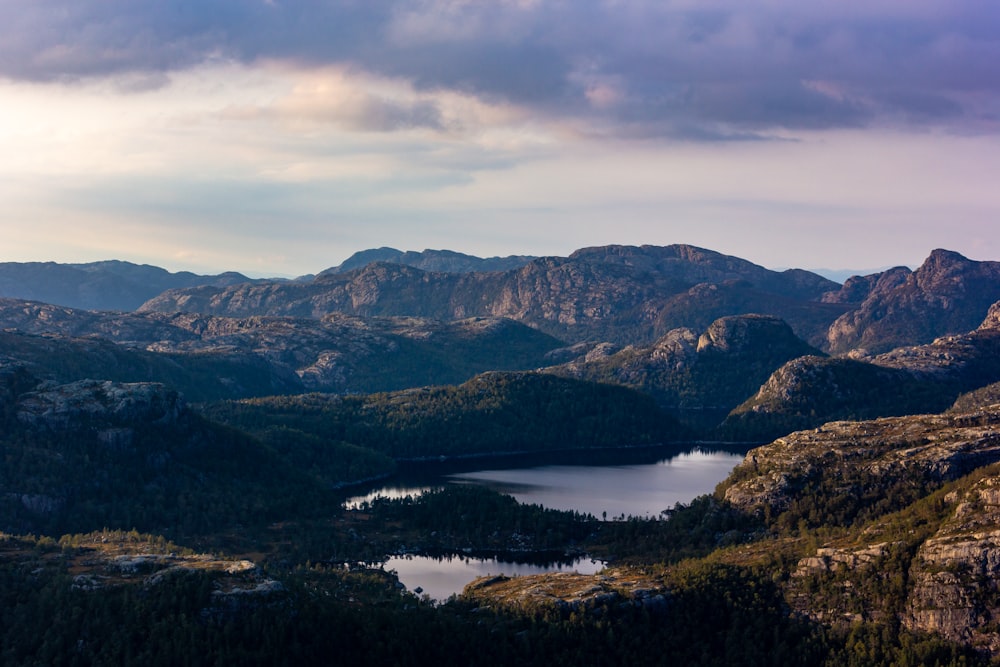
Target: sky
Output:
[(277, 137)]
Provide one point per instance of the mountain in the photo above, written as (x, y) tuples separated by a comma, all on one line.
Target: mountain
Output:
[(93, 454), (217, 357), (698, 377), (201, 376), (909, 507), (809, 391), (109, 285), (947, 294), (443, 261), (622, 294)]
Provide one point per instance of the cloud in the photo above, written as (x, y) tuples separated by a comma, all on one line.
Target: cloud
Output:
[(644, 67)]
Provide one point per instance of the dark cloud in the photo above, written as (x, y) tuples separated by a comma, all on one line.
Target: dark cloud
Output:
[(723, 68)]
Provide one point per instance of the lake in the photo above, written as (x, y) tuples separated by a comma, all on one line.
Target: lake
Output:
[(608, 484), (442, 577)]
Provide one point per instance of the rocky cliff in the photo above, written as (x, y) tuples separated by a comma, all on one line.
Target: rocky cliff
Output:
[(947, 294), (701, 376), (917, 503), (848, 461), (615, 293), (214, 357), (808, 391)]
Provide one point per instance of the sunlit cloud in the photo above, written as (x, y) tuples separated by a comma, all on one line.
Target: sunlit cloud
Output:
[(213, 136)]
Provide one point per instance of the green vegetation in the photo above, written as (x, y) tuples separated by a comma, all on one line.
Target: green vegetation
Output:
[(723, 587), (494, 412), (811, 391), (201, 376), (189, 478)]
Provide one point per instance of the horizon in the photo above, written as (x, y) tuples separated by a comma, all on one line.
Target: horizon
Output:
[(835, 274)]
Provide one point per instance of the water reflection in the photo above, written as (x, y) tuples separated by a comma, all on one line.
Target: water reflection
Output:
[(390, 492), (643, 490), (442, 577), (607, 485)]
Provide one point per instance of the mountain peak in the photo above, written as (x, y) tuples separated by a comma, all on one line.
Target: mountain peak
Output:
[(442, 261)]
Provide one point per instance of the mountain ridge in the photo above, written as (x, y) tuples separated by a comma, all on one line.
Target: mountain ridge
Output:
[(103, 285), (613, 293)]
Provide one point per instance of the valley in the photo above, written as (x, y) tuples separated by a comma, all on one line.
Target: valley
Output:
[(175, 470)]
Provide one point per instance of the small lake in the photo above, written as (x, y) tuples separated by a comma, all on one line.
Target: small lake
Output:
[(608, 484), (440, 578)]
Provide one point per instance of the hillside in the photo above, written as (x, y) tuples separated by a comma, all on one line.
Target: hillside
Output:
[(917, 496), (809, 391), (216, 357), (702, 377), (620, 294), (109, 285), (948, 294), (491, 413), (93, 454)]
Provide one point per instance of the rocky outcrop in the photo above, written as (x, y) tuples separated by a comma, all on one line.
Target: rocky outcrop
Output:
[(570, 592), (713, 371), (851, 458), (928, 561), (992, 321), (978, 399), (948, 294), (103, 403), (954, 575), (615, 293), (809, 391), (211, 357)]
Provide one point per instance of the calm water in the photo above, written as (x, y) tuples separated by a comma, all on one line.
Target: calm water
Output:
[(442, 577), (642, 490), (641, 484), (608, 484)]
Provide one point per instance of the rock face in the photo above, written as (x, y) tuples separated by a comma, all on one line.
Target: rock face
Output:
[(992, 320), (808, 391), (212, 357), (110, 285), (615, 293), (840, 456), (714, 371), (931, 565), (948, 294), (97, 402), (954, 574)]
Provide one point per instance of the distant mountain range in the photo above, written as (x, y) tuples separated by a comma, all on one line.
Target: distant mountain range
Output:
[(110, 285), (699, 331), (445, 261), (634, 295), (622, 294)]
